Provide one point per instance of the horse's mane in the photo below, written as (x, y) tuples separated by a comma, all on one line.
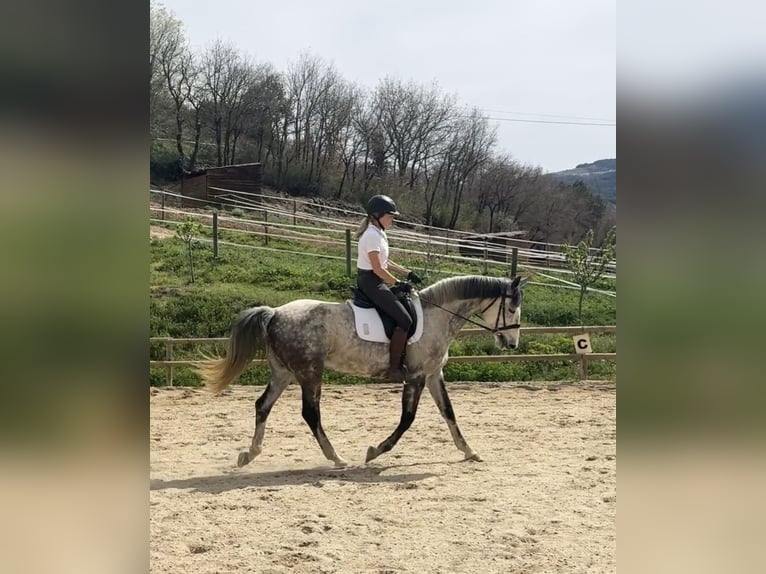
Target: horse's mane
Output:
[(465, 287)]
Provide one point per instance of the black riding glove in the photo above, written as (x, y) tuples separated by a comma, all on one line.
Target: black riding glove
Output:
[(413, 278), (402, 287)]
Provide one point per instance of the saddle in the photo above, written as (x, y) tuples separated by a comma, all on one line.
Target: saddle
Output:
[(365, 311)]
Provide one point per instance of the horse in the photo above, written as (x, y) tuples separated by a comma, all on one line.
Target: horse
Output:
[(302, 338)]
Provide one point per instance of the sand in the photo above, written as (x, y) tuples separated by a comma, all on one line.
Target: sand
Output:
[(543, 499)]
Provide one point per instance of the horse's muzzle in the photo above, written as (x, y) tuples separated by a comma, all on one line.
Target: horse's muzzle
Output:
[(504, 341)]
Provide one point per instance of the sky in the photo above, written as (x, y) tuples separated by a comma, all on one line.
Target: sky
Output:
[(539, 61)]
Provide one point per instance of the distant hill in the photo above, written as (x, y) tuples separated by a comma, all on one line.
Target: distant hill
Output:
[(600, 177)]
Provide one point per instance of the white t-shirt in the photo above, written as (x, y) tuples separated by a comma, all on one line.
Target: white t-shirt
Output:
[(373, 239)]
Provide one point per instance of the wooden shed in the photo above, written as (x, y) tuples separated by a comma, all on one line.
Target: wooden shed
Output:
[(221, 185)]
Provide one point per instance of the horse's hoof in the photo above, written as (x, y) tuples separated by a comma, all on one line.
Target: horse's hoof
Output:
[(473, 456), (243, 459), (340, 463), (371, 453)]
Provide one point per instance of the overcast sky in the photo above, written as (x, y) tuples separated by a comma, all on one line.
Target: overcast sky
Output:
[(540, 60)]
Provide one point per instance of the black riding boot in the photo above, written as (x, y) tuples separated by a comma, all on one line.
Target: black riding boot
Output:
[(397, 372)]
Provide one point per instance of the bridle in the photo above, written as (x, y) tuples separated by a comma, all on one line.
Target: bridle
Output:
[(501, 311)]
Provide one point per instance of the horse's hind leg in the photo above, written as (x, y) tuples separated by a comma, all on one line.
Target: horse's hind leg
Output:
[(441, 398), (410, 399), (280, 378), (311, 390)]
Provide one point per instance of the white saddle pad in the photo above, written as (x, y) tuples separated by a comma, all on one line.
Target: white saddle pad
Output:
[(369, 325)]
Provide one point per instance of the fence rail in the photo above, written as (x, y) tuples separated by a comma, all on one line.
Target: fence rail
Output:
[(412, 239), (169, 363)]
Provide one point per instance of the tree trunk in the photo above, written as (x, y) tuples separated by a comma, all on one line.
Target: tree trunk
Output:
[(191, 261), (179, 137), (342, 181), (218, 142), (197, 135)]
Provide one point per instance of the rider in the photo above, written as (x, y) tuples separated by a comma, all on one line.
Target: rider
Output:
[(375, 280)]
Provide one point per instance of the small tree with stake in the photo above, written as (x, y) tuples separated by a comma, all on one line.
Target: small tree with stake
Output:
[(587, 267), (187, 231)]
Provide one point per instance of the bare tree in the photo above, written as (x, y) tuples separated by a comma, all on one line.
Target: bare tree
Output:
[(498, 176), (433, 169), (395, 105), (375, 148), (320, 103), (306, 80), (167, 45), (228, 77), (588, 210), (561, 213), (333, 106), (411, 117), (268, 107), (434, 120), (337, 109), (350, 140), (471, 149), (300, 75), (197, 100), (542, 220), (178, 71), (506, 190), (523, 196)]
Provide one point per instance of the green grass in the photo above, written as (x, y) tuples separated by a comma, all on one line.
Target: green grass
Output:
[(242, 277)]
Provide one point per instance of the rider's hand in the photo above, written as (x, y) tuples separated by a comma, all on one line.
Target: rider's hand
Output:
[(403, 287), (413, 278)]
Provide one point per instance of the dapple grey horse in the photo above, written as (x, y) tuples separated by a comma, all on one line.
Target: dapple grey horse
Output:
[(303, 337)]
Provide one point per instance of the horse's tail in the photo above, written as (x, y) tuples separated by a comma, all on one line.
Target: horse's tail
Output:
[(247, 339)]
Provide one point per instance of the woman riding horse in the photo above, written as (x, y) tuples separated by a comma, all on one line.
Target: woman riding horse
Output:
[(375, 280)]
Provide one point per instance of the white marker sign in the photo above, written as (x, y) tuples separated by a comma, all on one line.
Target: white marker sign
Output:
[(582, 344)]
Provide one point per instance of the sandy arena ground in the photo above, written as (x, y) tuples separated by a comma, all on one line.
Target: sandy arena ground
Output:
[(543, 500)]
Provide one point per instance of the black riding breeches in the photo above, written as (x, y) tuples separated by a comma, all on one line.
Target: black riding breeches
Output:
[(379, 293)]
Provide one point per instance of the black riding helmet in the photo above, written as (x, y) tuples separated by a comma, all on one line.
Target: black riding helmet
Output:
[(379, 205)]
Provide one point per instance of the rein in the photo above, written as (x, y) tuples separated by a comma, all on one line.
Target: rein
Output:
[(500, 311)]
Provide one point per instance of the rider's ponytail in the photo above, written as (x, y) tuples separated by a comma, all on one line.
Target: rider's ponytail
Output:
[(362, 227)]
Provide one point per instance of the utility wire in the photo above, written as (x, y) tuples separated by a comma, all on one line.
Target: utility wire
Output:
[(560, 116), (550, 122)]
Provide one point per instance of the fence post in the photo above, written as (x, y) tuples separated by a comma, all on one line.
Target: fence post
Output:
[(169, 368), (215, 235), (486, 254), (162, 202), (348, 252), (266, 227), (584, 363), (294, 212), (514, 260)]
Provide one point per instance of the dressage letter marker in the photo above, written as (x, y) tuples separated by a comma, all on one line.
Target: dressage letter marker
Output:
[(582, 344)]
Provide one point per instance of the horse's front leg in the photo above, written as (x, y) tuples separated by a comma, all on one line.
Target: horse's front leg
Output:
[(441, 398), (410, 398)]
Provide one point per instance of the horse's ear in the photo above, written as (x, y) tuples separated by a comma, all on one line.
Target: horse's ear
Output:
[(515, 282)]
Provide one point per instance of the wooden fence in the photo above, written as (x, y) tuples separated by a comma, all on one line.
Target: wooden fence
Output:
[(168, 363), (414, 239)]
